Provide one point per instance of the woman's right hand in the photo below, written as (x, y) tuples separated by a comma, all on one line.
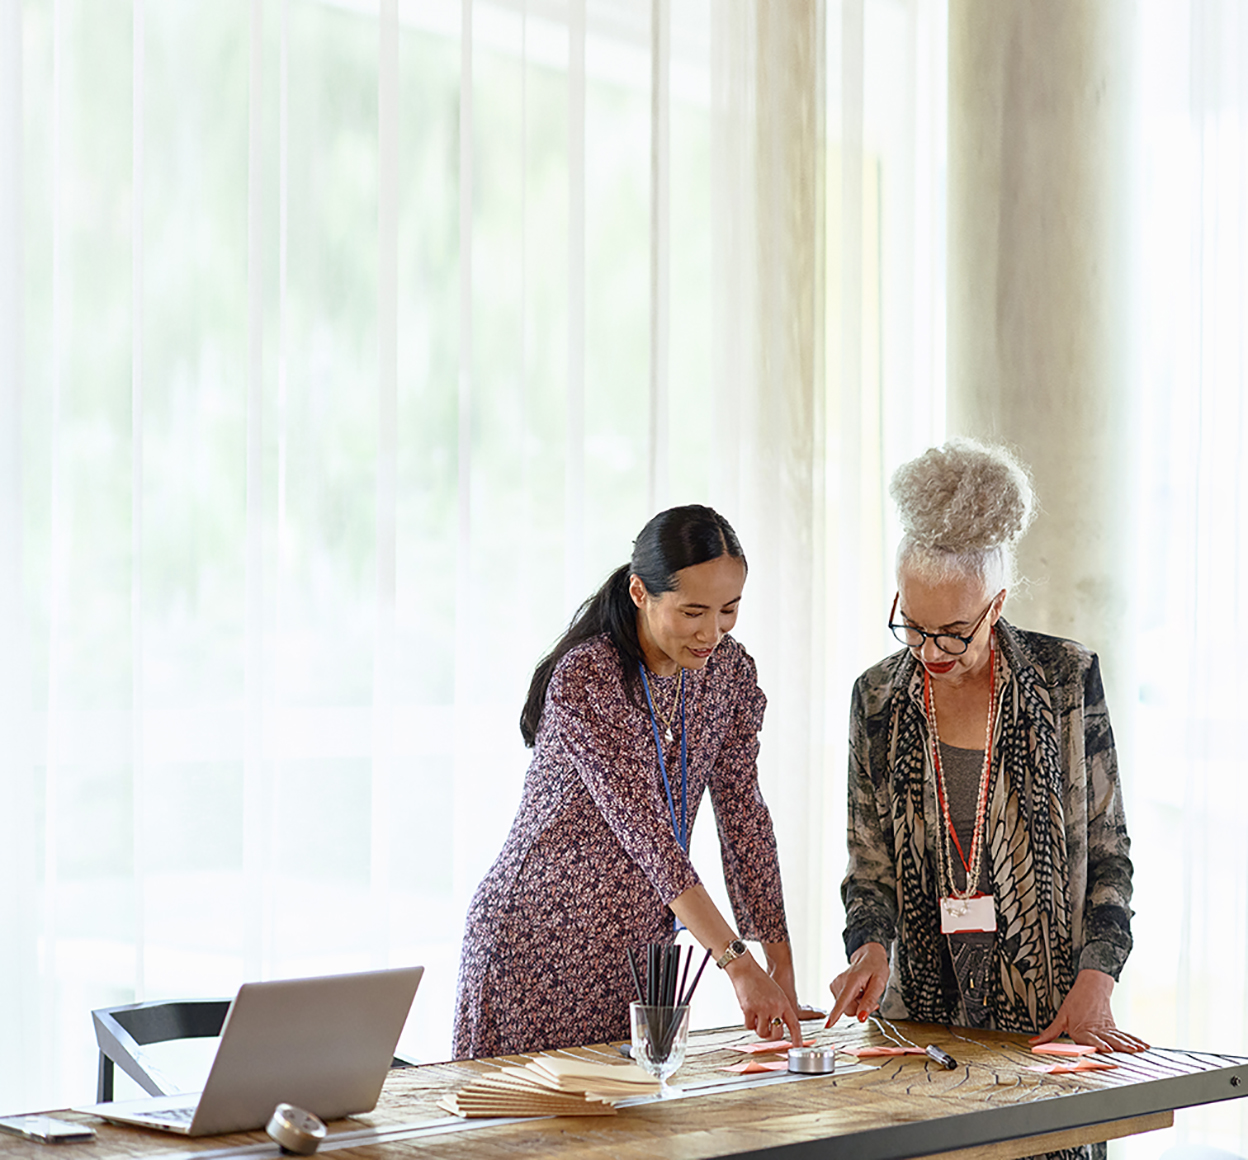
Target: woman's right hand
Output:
[(763, 1001), (859, 988)]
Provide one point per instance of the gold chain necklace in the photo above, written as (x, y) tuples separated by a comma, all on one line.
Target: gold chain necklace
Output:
[(666, 718)]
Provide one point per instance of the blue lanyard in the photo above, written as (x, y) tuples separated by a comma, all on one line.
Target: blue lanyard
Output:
[(681, 831)]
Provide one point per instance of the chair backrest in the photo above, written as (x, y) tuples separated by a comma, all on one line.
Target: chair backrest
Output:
[(122, 1032)]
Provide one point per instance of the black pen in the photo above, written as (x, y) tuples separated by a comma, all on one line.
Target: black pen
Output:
[(941, 1057)]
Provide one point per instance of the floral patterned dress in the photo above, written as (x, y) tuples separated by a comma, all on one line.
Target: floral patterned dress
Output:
[(592, 860)]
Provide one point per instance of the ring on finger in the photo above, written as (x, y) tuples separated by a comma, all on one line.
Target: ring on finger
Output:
[(777, 1022)]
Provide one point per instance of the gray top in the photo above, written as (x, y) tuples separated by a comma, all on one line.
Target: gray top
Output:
[(962, 769)]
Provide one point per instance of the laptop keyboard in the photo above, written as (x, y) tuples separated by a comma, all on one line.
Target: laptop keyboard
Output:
[(182, 1115)]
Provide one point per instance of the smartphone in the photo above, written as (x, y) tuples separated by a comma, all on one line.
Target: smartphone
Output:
[(46, 1130)]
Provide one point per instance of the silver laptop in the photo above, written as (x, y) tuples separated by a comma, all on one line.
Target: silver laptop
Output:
[(322, 1044)]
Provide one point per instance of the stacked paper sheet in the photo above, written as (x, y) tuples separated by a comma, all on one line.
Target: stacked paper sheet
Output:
[(571, 1073), (551, 1085)]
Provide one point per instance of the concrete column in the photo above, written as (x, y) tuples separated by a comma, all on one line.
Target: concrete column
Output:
[(1039, 277)]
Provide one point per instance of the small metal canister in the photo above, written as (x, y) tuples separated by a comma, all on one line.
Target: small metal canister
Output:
[(812, 1060)]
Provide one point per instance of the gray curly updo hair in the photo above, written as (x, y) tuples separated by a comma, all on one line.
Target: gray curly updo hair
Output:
[(963, 507)]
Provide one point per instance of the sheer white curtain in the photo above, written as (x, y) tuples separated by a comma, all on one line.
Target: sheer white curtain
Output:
[(1189, 790), (343, 349)]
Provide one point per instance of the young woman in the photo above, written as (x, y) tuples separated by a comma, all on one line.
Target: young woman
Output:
[(644, 703)]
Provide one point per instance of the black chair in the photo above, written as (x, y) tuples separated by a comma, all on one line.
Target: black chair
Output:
[(122, 1033)]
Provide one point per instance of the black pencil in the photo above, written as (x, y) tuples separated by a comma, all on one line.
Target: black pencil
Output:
[(706, 958), (684, 978), (668, 1026)]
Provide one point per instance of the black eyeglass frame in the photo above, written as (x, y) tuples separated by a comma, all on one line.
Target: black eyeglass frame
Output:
[(903, 630)]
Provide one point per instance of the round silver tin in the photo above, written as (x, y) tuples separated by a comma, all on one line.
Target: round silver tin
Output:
[(296, 1132), (812, 1060)]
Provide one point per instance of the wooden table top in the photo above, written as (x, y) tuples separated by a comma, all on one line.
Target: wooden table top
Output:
[(992, 1106)]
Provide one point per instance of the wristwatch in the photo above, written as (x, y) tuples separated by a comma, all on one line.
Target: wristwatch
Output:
[(735, 950)]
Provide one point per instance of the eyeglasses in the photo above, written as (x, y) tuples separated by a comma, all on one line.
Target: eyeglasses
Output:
[(947, 642)]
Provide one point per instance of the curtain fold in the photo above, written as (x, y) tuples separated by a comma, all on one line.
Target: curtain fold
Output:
[(19, 967), (783, 484), (1187, 790), (342, 353)]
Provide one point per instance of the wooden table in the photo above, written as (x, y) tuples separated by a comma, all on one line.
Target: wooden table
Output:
[(992, 1106)]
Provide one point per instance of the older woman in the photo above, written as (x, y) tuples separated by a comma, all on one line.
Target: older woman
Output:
[(989, 883)]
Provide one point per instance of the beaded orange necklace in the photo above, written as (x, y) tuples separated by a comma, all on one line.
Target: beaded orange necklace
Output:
[(974, 864)]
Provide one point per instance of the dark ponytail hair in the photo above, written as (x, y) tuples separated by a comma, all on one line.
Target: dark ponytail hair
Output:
[(674, 539)]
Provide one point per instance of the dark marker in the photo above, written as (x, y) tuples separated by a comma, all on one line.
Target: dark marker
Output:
[(941, 1057)]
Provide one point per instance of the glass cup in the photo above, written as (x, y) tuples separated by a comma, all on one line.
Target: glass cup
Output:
[(660, 1036)]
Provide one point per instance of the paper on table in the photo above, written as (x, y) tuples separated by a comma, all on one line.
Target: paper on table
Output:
[(471, 1105), (575, 1068), (753, 1066), (768, 1046), (571, 1073), (550, 1085), (1078, 1065), (1063, 1049)]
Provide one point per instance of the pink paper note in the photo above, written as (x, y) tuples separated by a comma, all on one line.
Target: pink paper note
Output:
[(751, 1066), (1095, 1065), (767, 1046), (1069, 1068), (1063, 1049)]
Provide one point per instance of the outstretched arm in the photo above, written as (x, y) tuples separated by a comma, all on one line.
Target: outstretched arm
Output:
[(1085, 1013), (859, 988), (762, 998), (869, 889)]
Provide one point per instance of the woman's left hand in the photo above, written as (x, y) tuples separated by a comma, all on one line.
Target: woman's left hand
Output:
[(1086, 1017)]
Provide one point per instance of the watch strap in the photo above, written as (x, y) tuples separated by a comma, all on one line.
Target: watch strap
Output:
[(735, 950)]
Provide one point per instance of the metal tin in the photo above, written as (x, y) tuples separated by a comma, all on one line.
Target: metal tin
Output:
[(812, 1060), (296, 1132)]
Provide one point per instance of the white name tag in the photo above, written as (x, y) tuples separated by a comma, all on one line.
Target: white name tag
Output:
[(975, 913)]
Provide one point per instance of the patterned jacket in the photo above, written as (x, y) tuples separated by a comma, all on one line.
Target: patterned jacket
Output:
[(1060, 713)]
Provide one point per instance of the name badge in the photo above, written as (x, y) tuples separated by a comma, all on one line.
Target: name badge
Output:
[(961, 914)]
